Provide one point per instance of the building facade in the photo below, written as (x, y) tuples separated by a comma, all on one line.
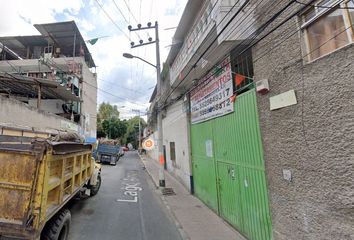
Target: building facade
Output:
[(49, 75), (308, 142), (273, 158)]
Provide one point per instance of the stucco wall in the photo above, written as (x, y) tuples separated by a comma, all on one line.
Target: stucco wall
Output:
[(313, 139), (14, 113), (89, 104), (175, 129), (153, 154)]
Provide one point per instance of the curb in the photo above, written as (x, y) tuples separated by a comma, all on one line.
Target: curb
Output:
[(152, 179), (179, 227)]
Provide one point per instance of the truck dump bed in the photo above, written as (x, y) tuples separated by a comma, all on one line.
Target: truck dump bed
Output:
[(37, 178), (108, 149)]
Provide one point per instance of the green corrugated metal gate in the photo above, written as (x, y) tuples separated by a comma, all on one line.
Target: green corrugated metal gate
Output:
[(228, 168)]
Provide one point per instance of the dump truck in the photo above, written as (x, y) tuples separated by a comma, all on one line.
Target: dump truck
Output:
[(38, 177)]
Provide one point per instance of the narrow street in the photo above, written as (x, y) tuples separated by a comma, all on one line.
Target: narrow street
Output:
[(111, 214)]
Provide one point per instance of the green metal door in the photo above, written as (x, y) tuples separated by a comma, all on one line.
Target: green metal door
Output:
[(229, 194), (241, 187), (237, 141), (254, 198), (204, 175)]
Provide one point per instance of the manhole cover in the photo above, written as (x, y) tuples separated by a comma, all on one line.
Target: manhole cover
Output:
[(168, 191)]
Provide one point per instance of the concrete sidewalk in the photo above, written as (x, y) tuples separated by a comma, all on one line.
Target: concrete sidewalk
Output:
[(194, 220)]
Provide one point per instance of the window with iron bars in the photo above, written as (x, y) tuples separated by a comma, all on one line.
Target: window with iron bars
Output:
[(242, 71)]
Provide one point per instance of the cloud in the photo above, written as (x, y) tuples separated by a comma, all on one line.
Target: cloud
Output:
[(27, 20)]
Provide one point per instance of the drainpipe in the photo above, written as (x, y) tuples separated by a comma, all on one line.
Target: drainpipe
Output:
[(39, 96)]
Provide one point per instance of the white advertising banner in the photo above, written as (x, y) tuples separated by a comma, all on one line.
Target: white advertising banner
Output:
[(211, 98)]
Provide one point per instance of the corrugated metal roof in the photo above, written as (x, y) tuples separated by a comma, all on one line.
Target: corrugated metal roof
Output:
[(63, 35), (19, 44), (22, 85)]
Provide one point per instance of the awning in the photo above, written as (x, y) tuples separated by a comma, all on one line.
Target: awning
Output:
[(27, 86)]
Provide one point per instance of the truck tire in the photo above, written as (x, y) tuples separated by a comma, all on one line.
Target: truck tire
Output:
[(96, 188), (58, 227)]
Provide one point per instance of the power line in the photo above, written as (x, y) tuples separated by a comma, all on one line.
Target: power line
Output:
[(120, 11), (114, 23), (257, 32), (130, 11), (327, 7), (140, 11), (223, 29), (290, 36), (344, 30), (199, 30), (122, 98), (129, 89), (125, 19), (284, 39), (302, 56), (151, 6)]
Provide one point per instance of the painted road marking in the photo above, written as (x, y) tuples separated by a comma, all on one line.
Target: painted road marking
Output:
[(131, 187)]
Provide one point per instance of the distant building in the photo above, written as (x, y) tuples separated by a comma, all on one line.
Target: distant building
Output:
[(46, 82)]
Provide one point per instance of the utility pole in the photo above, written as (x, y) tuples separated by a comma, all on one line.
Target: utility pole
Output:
[(139, 132), (162, 182), (139, 145)]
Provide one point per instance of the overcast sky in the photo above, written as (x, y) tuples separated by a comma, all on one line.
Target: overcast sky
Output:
[(129, 81)]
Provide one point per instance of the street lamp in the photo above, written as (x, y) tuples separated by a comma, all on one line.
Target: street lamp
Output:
[(159, 91), (128, 55)]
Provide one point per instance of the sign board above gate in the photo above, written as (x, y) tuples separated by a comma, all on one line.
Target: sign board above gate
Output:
[(211, 98)]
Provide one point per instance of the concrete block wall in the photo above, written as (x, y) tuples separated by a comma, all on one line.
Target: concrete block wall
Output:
[(313, 139), (14, 113), (89, 86), (89, 104)]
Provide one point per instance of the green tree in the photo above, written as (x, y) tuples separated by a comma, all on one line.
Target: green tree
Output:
[(132, 133), (109, 125), (114, 128), (106, 113)]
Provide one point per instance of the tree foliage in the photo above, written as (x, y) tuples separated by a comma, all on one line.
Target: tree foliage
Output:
[(106, 112), (109, 125)]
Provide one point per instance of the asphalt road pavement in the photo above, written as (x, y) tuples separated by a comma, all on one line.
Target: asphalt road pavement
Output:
[(127, 207)]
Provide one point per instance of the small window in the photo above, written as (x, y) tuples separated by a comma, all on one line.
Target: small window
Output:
[(206, 19), (210, 8), (326, 27), (351, 12), (172, 152), (201, 27)]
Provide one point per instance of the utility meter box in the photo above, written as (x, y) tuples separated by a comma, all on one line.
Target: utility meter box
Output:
[(262, 86)]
